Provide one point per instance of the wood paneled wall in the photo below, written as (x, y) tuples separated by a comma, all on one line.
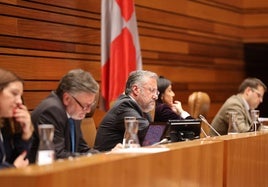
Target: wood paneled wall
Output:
[(197, 44), (255, 21), (41, 40)]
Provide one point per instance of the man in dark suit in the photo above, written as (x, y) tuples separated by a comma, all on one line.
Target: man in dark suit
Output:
[(68, 105), (139, 99), (250, 95)]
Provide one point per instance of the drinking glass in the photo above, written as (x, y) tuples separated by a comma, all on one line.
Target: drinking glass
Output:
[(46, 152), (255, 119), (131, 129), (233, 128)]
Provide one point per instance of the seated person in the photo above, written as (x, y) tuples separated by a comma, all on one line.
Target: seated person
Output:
[(167, 109), (250, 95), (15, 122), (139, 99), (72, 100)]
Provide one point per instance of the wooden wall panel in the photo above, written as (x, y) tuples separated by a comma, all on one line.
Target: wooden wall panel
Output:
[(196, 44), (172, 5), (259, 4), (8, 25), (53, 31), (163, 45), (45, 45), (256, 34), (33, 68), (167, 19), (255, 21), (58, 16), (227, 4), (197, 75), (90, 6), (214, 13)]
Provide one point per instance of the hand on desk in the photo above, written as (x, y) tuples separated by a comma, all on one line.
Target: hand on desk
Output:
[(118, 146), (20, 161)]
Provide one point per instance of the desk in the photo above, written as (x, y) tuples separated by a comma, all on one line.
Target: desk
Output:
[(186, 164), (246, 157), (228, 161)]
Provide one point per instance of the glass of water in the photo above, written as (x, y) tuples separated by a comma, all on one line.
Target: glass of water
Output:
[(131, 139)]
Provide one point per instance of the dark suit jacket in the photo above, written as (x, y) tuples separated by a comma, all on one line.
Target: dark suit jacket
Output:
[(12, 147), (52, 111), (111, 129)]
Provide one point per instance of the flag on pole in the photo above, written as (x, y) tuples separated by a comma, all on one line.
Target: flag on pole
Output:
[(120, 48)]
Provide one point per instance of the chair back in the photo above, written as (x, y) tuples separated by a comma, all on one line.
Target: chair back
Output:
[(89, 131), (199, 103)]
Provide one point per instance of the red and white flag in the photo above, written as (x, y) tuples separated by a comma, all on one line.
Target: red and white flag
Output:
[(120, 48)]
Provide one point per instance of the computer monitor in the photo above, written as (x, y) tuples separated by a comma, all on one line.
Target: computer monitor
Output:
[(185, 129)]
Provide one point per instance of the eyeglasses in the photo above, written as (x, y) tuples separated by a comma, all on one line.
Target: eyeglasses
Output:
[(257, 92), (84, 107), (153, 91)]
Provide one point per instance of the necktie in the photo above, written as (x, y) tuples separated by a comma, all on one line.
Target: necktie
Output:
[(72, 134)]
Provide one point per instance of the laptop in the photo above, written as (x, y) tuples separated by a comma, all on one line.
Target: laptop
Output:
[(155, 133), (184, 129)]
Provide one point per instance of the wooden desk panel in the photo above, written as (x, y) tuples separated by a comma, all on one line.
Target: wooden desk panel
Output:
[(245, 160), (185, 164)]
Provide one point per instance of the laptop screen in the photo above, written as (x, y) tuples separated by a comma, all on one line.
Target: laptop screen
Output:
[(155, 133)]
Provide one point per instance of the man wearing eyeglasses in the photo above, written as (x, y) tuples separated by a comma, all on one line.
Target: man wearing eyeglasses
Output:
[(250, 95), (65, 108), (139, 99)]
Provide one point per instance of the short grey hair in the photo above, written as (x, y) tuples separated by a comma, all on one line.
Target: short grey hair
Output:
[(75, 81), (138, 77)]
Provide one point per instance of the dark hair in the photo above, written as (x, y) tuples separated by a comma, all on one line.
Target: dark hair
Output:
[(7, 77), (162, 85), (75, 81), (252, 83)]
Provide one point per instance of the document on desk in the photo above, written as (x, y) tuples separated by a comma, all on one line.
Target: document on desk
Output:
[(142, 150)]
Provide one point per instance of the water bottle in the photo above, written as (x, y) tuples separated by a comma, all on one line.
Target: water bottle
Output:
[(46, 150)]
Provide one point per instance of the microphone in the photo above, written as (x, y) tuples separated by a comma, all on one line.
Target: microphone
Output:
[(204, 132), (210, 126), (165, 140)]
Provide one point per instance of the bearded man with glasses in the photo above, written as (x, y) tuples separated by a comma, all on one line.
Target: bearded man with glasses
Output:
[(137, 101), (250, 95), (65, 108)]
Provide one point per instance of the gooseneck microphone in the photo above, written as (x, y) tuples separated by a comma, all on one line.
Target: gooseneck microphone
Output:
[(210, 126), (204, 132)]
